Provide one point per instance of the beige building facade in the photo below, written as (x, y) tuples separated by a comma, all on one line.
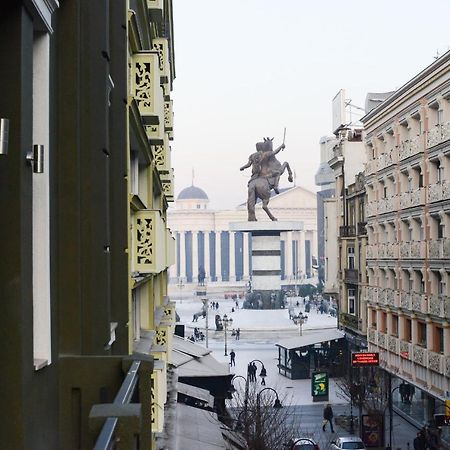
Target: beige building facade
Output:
[(407, 142)]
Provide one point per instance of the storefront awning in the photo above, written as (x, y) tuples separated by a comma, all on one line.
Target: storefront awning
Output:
[(310, 339)]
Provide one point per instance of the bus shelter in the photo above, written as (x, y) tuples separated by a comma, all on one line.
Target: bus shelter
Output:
[(300, 356)]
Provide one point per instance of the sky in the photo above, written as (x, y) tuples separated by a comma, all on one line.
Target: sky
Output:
[(246, 69)]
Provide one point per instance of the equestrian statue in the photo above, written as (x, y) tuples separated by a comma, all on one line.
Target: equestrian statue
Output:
[(266, 173)]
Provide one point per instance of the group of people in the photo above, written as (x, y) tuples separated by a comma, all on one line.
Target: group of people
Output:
[(198, 335), (236, 333), (428, 439), (214, 305), (251, 373), (407, 392)]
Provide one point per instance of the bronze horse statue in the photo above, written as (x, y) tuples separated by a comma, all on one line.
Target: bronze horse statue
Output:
[(266, 173)]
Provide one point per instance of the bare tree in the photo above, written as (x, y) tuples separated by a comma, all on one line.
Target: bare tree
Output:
[(260, 418)]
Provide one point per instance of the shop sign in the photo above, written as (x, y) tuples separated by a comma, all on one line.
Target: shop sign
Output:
[(319, 384), (361, 359)]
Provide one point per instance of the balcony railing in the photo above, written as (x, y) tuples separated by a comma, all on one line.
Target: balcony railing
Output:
[(372, 294), (413, 249), (124, 420), (371, 166), (349, 320), (409, 148), (372, 251), (351, 276), (412, 199), (362, 228), (438, 192), (347, 231), (388, 158), (439, 133), (439, 248), (388, 250)]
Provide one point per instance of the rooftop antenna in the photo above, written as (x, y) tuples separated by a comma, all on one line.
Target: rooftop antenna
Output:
[(437, 55)]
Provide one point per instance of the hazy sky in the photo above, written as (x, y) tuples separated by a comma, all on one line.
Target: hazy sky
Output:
[(248, 68)]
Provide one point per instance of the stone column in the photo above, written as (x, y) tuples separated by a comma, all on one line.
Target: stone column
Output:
[(195, 256), (182, 256), (301, 253), (414, 337), (218, 257), (288, 253), (446, 326), (207, 264), (246, 257), (232, 256)]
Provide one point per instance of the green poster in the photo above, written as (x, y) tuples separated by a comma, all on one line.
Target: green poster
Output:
[(319, 384)]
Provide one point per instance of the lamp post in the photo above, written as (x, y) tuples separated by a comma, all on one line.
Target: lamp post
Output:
[(309, 441), (276, 405), (206, 306), (181, 286), (226, 322), (300, 320)]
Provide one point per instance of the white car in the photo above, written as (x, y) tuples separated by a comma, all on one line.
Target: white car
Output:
[(347, 443)]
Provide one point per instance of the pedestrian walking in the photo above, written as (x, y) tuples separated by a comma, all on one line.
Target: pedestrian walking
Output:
[(327, 417), (419, 441), (263, 376), (232, 358), (238, 334)]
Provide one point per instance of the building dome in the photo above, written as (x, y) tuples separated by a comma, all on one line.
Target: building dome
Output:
[(192, 193)]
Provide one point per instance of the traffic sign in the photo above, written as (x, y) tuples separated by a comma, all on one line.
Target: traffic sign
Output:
[(319, 384), (361, 359)]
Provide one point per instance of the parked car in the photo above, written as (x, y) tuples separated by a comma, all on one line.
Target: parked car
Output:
[(347, 443), (302, 444)]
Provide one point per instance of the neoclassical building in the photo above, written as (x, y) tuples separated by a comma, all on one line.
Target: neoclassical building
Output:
[(203, 237)]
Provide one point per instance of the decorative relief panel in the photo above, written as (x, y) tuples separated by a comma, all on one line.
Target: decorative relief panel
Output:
[(160, 336), (168, 115), (405, 349), (435, 361), (162, 155), (161, 47), (147, 91), (447, 366), (419, 355), (435, 305), (149, 242), (371, 335), (393, 341), (381, 339)]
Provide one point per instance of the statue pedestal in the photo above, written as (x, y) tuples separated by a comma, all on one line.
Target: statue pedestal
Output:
[(265, 257)]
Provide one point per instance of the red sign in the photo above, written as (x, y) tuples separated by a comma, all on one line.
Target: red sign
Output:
[(404, 355), (365, 359)]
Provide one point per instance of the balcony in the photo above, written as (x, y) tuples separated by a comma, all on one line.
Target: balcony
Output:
[(349, 321), (410, 147), (387, 159), (386, 205), (372, 294), (362, 228), (351, 276), (438, 191), (439, 248), (412, 199), (124, 420), (347, 231), (413, 249), (405, 300), (371, 166), (167, 185), (168, 115), (420, 355), (161, 46), (147, 92), (371, 208), (162, 156), (372, 251), (388, 250), (149, 242), (438, 134)]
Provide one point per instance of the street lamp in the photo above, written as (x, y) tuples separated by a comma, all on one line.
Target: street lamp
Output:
[(205, 302), (300, 320), (226, 322), (180, 286), (309, 441), (276, 405)]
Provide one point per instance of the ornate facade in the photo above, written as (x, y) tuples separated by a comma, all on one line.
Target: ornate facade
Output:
[(407, 141)]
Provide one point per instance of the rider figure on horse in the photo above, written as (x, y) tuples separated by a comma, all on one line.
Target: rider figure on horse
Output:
[(262, 163)]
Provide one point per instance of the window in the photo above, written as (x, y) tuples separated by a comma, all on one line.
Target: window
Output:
[(408, 330), (440, 229), (384, 191), (438, 339), (383, 324), (422, 334), (440, 116), (394, 319), (439, 172), (198, 206), (373, 318), (351, 300), (351, 257)]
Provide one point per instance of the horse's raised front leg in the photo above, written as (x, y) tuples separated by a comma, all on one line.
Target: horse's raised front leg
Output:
[(265, 203), (286, 166)]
